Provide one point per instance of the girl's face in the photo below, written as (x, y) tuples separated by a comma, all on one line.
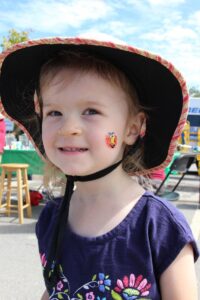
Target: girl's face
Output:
[(80, 111)]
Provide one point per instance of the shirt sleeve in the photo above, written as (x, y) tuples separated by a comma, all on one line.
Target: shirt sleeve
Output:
[(169, 233), (45, 223)]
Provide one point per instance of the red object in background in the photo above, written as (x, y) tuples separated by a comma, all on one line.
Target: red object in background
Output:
[(2, 134), (35, 197), (157, 174)]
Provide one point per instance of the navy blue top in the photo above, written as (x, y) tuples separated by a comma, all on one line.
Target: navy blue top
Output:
[(126, 262)]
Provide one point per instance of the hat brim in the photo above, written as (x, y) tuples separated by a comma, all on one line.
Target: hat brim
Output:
[(159, 85)]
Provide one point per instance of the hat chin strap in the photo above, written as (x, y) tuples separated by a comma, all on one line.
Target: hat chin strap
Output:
[(51, 274), (94, 176)]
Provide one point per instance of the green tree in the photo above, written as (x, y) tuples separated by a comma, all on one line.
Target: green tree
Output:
[(14, 37), (194, 92)]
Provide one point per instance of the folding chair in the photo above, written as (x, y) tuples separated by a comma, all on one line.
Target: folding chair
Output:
[(181, 164)]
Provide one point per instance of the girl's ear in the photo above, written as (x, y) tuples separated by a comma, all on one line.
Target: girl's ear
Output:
[(136, 127), (36, 104)]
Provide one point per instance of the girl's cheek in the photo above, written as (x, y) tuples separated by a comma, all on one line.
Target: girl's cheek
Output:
[(45, 132), (47, 126)]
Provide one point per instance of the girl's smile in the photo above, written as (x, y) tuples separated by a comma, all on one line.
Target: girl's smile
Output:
[(72, 150)]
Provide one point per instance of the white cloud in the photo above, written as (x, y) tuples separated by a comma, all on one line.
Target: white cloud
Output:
[(147, 5), (122, 29), (180, 45), (100, 36), (165, 3), (55, 16), (194, 20), (175, 34)]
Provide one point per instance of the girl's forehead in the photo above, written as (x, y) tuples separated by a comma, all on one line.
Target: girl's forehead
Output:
[(68, 78), (68, 75), (87, 85), (52, 78)]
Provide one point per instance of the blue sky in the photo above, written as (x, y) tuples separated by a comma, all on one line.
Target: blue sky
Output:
[(170, 28)]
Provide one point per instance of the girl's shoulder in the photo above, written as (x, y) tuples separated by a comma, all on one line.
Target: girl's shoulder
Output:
[(47, 216), (156, 208), (165, 225)]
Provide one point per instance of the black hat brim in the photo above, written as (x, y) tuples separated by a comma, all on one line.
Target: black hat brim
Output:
[(157, 86)]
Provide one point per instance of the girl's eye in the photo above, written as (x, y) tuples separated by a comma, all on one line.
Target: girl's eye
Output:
[(54, 113), (91, 111)]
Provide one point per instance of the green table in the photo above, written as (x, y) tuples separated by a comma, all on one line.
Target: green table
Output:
[(30, 157)]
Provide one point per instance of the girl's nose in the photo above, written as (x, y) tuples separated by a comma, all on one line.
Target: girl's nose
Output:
[(70, 128)]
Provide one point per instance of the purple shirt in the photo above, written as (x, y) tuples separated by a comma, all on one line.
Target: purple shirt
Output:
[(125, 263)]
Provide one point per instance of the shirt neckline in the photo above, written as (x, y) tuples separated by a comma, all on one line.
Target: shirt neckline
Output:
[(116, 231)]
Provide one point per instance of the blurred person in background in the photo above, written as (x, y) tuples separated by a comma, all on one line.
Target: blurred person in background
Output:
[(2, 135)]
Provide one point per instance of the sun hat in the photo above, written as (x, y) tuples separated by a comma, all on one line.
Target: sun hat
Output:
[(159, 85)]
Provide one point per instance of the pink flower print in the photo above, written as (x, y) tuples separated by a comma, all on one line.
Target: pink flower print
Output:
[(131, 288), (59, 286), (43, 260), (90, 296)]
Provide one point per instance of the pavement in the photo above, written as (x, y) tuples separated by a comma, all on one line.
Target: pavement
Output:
[(21, 273)]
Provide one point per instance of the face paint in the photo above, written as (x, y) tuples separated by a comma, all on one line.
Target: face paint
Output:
[(111, 139)]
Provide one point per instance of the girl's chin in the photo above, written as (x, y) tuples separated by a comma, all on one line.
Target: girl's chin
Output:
[(71, 172), (66, 169), (76, 172)]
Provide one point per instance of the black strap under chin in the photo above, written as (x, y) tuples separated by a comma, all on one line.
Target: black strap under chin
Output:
[(51, 274), (96, 175)]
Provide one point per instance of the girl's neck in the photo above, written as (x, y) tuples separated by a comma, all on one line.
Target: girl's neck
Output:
[(109, 187), (99, 206)]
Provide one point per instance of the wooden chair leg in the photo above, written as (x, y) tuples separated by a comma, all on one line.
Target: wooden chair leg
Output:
[(2, 186), (27, 194), (20, 197), (8, 194)]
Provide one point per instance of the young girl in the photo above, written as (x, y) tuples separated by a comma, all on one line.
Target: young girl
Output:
[(102, 114)]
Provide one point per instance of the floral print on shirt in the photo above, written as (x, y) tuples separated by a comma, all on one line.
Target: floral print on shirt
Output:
[(101, 287)]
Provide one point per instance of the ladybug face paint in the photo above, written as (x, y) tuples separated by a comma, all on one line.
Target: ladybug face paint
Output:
[(111, 139)]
